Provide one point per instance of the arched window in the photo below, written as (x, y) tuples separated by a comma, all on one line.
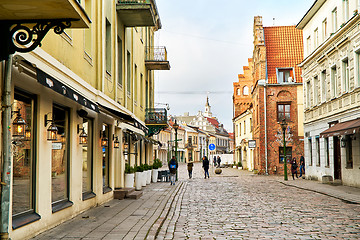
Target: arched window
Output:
[(238, 91), (246, 91)]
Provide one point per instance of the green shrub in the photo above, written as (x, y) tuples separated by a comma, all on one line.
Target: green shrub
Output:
[(239, 164), (129, 169), (139, 168), (145, 167), (157, 164)]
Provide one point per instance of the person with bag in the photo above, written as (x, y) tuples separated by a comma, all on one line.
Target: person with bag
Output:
[(190, 166), (173, 165), (294, 168), (206, 164), (302, 166)]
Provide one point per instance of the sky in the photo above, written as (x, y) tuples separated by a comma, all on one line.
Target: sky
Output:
[(208, 42)]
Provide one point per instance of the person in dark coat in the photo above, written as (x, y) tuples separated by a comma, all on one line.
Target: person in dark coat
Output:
[(294, 168), (190, 166), (218, 161), (302, 166), (173, 165), (214, 161), (206, 164)]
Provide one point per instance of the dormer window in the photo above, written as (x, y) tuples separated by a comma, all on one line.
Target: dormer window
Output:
[(285, 75)]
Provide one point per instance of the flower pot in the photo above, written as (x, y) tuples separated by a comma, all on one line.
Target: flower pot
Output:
[(240, 168), (218, 171), (143, 178), (129, 180), (234, 166), (138, 180), (148, 176), (155, 173)]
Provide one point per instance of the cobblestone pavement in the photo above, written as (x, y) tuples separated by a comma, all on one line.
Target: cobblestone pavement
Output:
[(239, 205)]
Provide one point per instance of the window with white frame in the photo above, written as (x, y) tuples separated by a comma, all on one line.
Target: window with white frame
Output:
[(324, 29), (308, 94), (333, 80), (323, 86), (246, 91), (345, 75), (346, 10), (308, 45), (317, 151), (334, 20), (285, 75), (238, 92), (316, 38), (357, 68), (316, 90)]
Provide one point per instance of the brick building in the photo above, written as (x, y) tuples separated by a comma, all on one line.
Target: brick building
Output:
[(277, 94)]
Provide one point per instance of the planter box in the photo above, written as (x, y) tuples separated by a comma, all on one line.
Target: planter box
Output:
[(143, 178), (129, 180), (148, 176), (155, 174), (138, 180)]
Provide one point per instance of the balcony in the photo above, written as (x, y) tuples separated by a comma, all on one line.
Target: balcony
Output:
[(138, 13), (156, 120), (156, 58)]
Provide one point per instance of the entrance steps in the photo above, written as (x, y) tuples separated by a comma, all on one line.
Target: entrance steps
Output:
[(122, 193)]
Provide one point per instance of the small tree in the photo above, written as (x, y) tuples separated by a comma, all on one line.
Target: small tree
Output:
[(129, 169)]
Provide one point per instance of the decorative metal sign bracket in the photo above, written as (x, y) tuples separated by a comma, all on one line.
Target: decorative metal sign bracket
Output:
[(26, 35)]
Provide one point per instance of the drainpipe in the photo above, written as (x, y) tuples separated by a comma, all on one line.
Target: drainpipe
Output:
[(266, 144), (6, 151)]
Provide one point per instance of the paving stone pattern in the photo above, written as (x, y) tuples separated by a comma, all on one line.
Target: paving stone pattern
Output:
[(239, 205)]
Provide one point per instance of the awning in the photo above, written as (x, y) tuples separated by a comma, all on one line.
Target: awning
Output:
[(61, 88), (343, 128), (117, 113)]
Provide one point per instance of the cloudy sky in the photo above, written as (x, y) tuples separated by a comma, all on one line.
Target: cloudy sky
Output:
[(208, 42)]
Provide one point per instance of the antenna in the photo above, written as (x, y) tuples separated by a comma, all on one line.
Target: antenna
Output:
[(273, 21)]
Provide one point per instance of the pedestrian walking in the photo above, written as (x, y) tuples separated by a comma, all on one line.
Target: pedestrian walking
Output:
[(294, 168), (206, 166), (302, 166), (173, 165), (214, 161), (218, 161), (190, 166)]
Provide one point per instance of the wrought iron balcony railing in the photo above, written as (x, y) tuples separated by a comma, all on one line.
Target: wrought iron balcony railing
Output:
[(156, 58)]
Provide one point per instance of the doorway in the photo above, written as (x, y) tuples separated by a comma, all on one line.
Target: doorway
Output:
[(337, 159)]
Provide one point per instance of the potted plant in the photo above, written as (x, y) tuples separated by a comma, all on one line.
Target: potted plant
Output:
[(239, 165), (155, 171), (129, 176), (138, 177)]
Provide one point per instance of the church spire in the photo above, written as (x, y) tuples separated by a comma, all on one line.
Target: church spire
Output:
[(207, 112)]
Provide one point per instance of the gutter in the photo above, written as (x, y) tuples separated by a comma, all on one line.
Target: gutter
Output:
[(265, 110)]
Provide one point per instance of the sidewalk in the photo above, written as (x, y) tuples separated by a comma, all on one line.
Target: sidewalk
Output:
[(345, 193)]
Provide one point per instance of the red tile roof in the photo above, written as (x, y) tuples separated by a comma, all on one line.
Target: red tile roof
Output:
[(213, 122), (284, 48)]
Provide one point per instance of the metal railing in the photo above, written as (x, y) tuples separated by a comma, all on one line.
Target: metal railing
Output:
[(134, 1), (156, 116), (156, 54)]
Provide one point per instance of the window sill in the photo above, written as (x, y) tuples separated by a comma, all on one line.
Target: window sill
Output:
[(88, 195), (106, 190), (61, 206), (349, 168), (24, 219)]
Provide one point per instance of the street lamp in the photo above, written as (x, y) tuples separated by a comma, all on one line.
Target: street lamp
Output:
[(176, 127), (283, 127)]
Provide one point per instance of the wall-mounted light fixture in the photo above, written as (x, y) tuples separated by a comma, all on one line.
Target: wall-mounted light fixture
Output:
[(19, 125), (116, 142), (27, 133), (104, 139), (52, 129), (343, 142), (83, 136)]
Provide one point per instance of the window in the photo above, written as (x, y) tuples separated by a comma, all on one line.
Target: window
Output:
[(120, 62), (288, 154), (87, 159), (238, 92), (334, 20), (285, 75), (283, 111), (346, 10), (333, 81), (310, 152), (357, 68), (308, 94), (324, 29), (105, 160), (317, 151), (323, 86), (88, 32), (240, 128), (128, 72), (24, 168), (251, 124), (345, 75), (316, 90), (244, 127), (327, 149), (108, 46), (60, 159), (308, 45), (136, 90), (316, 38), (349, 151), (141, 89), (246, 91)]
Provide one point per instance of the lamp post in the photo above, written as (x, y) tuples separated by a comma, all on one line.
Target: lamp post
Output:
[(176, 127), (283, 127)]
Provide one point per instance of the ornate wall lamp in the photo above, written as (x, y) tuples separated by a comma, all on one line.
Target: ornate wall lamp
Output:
[(19, 126), (83, 136), (52, 129), (116, 142), (104, 139)]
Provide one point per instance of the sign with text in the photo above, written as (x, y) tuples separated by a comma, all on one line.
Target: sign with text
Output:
[(252, 144)]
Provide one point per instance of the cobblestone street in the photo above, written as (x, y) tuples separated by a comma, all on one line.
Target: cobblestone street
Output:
[(240, 205)]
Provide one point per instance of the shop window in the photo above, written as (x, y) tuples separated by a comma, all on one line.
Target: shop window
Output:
[(288, 154), (283, 111), (60, 160), (87, 160), (24, 164), (105, 160)]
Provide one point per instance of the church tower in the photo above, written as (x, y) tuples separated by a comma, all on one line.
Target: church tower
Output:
[(207, 112)]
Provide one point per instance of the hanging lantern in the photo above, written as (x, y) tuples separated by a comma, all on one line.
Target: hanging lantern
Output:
[(83, 136), (27, 133), (52, 132), (116, 142), (18, 130), (104, 140)]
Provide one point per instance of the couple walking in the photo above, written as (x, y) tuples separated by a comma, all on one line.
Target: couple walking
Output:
[(205, 165)]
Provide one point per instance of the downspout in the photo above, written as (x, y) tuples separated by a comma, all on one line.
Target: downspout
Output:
[(265, 110), (6, 151)]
